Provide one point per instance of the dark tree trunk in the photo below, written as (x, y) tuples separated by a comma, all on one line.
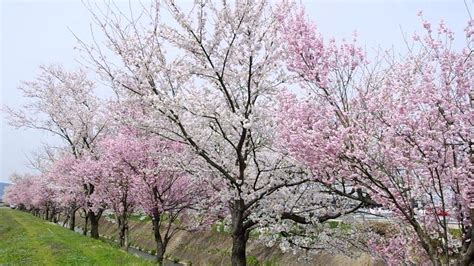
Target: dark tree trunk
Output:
[(123, 232), (468, 256), (66, 220), (72, 219), (86, 218), (94, 219), (51, 215), (239, 234), (160, 245), (125, 243)]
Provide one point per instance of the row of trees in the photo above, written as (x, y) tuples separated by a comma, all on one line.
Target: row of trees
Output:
[(242, 111), (128, 173)]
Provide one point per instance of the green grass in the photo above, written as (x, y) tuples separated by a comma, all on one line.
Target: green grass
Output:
[(28, 240), (455, 232)]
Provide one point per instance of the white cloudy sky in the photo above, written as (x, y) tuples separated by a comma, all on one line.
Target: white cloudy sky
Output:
[(39, 32)]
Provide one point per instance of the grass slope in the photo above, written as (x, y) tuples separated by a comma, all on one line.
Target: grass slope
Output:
[(213, 247), (28, 240)]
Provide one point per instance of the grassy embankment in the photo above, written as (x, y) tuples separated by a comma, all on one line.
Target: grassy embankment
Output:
[(213, 246), (28, 240)]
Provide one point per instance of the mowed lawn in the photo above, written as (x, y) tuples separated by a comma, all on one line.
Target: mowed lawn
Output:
[(28, 240)]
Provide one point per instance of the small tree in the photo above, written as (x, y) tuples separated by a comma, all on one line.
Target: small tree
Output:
[(69, 189), (146, 173), (116, 185)]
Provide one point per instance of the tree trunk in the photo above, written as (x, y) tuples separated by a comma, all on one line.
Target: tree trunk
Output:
[(72, 219), (52, 215), (66, 220), (425, 241), (126, 243), (86, 218), (94, 219), (239, 234), (120, 231), (160, 245), (123, 232), (468, 256)]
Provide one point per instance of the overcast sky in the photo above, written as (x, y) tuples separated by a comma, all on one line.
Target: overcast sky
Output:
[(39, 32)]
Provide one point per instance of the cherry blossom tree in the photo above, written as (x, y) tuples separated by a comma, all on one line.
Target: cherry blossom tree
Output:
[(420, 156), (33, 193), (156, 184), (17, 194), (116, 184), (63, 104), (69, 187), (215, 95), (313, 125), (401, 135)]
